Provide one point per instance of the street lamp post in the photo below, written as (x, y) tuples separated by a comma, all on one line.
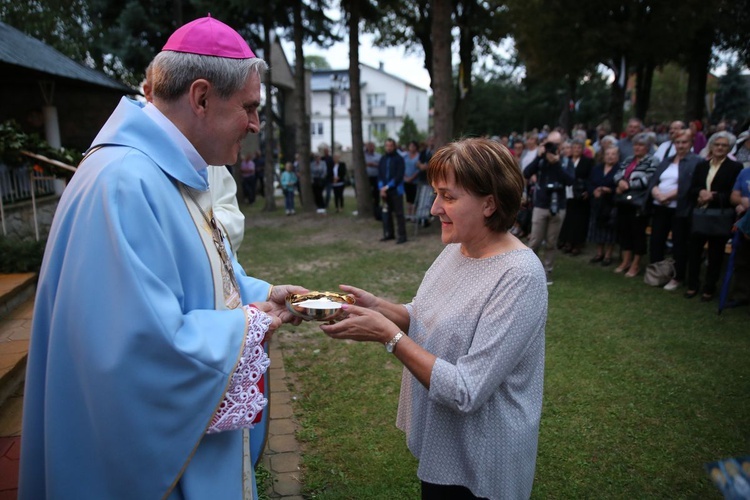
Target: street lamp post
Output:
[(338, 85), (334, 79)]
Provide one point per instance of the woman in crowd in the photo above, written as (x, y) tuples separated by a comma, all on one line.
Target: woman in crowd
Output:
[(318, 173), (411, 173), (632, 178), (711, 188), (699, 140), (671, 206), (608, 141), (601, 186), (247, 171), (576, 223), (742, 150), (339, 182), (471, 391)]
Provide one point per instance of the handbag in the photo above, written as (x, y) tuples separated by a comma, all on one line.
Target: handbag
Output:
[(713, 221), (606, 212), (659, 273)]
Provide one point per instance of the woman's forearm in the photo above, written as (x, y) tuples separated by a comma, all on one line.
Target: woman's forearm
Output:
[(416, 359), (394, 312)]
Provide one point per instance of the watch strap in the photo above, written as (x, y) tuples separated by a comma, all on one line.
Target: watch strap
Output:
[(391, 344)]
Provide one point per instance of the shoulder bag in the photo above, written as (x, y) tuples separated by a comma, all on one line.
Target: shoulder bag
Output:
[(713, 221)]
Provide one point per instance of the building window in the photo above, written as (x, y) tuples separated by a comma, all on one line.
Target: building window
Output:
[(376, 100), (342, 99), (377, 128), (391, 111), (316, 128)]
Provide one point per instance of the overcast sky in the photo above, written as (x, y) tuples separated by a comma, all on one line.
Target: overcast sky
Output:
[(395, 61)]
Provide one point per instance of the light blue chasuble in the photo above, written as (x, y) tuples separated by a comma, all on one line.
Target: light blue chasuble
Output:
[(129, 356)]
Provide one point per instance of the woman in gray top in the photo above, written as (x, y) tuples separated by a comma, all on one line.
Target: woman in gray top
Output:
[(471, 392)]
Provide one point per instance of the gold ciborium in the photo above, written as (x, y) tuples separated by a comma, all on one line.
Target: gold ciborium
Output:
[(318, 306)]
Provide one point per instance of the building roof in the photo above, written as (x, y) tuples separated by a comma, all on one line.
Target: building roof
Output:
[(19, 49), (321, 78)]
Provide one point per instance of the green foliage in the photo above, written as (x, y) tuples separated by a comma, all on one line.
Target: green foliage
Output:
[(314, 62), (20, 256), (13, 140), (732, 97), (263, 480), (65, 26), (503, 104), (667, 94), (409, 132)]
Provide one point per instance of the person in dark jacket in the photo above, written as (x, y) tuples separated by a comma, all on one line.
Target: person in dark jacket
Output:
[(712, 185), (576, 223), (391, 185), (552, 174)]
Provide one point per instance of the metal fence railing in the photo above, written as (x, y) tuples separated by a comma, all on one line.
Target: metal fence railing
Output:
[(16, 185)]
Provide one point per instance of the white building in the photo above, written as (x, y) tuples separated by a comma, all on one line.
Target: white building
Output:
[(386, 100)]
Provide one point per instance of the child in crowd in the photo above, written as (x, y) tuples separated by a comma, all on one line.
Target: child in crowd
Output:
[(288, 183)]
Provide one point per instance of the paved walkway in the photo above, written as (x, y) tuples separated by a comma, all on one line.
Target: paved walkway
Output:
[(282, 455)]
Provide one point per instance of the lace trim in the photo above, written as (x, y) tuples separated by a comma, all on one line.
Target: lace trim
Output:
[(244, 400)]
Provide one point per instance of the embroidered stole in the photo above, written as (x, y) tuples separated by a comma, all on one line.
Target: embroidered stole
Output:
[(226, 292)]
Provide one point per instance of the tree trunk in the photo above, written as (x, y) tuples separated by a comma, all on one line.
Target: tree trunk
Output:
[(463, 91), (270, 169), (302, 119), (617, 93), (644, 77), (361, 181), (422, 32), (442, 79), (699, 58), (567, 114)]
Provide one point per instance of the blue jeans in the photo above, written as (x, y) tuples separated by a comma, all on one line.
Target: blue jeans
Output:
[(289, 199)]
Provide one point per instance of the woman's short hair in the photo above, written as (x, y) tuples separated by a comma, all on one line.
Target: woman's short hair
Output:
[(578, 141), (172, 73), (483, 168), (723, 135), (609, 138), (642, 138)]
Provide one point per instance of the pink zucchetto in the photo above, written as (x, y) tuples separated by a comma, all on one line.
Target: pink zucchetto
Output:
[(209, 37)]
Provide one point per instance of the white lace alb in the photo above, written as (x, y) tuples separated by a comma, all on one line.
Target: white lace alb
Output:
[(244, 400)]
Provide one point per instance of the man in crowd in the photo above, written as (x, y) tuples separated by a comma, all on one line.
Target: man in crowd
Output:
[(666, 149), (625, 145), (146, 347), (372, 160), (741, 198), (530, 153), (328, 160), (391, 185), (552, 173)]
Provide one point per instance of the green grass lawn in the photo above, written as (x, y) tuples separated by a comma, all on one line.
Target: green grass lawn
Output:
[(642, 387)]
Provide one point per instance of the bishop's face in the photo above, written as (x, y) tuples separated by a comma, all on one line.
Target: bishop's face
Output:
[(230, 120)]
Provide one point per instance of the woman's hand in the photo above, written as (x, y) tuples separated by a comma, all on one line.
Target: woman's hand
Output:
[(364, 298), (704, 196), (622, 186), (363, 325), (598, 192)]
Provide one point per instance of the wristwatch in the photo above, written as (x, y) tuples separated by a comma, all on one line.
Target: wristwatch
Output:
[(391, 344)]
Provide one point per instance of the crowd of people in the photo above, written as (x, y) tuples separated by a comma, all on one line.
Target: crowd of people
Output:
[(643, 192)]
